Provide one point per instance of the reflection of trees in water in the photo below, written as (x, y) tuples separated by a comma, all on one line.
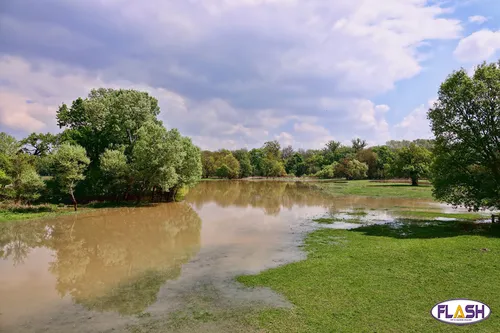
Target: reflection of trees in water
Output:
[(117, 261), (18, 238), (268, 195), (272, 196)]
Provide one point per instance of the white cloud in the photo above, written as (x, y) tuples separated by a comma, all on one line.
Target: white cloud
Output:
[(285, 139), (415, 125), (479, 46), (477, 19)]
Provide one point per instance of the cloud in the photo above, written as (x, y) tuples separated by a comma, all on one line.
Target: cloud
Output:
[(477, 19), (226, 72), (479, 46), (285, 139), (415, 125)]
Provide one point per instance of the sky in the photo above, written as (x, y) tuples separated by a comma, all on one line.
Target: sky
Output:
[(237, 73)]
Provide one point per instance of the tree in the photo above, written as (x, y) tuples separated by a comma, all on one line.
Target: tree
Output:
[(69, 163), (243, 158), (358, 144), (385, 157), (287, 152), (272, 149), (328, 171), (272, 168), (113, 164), (295, 165), (107, 118), (223, 171), (330, 150), (369, 157), (466, 123), (351, 169), (412, 162), (8, 144), (256, 157), (189, 169), (39, 144), (26, 183), (155, 158), (208, 164)]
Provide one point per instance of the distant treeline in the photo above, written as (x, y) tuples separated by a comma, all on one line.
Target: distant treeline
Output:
[(406, 159), (112, 147)]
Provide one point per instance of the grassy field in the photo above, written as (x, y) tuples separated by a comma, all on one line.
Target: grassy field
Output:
[(377, 189), (383, 278)]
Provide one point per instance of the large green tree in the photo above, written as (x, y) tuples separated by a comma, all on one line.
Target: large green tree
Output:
[(412, 162), (466, 123)]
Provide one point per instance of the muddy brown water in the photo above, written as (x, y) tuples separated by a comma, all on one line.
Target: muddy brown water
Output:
[(104, 270)]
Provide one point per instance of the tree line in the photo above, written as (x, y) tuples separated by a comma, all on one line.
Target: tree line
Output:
[(406, 159), (462, 162), (112, 147)]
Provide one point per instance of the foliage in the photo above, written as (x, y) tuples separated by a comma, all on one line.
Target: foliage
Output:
[(295, 165), (412, 162), (351, 169), (385, 157), (358, 144), (327, 171), (243, 158), (466, 123), (370, 158), (69, 163), (9, 146), (39, 144)]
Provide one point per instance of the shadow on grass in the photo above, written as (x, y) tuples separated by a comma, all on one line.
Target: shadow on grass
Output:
[(408, 229)]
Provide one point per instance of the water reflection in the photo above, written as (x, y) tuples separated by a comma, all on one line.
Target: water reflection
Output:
[(115, 260), (273, 196)]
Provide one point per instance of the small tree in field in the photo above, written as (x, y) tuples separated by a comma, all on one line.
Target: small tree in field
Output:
[(412, 162), (69, 162), (466, 123)]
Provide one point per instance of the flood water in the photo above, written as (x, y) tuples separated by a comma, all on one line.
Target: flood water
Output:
[(102, 271)]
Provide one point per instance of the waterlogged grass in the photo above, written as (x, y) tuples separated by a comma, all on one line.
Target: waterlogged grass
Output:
[(377, 189), (385, 278), (326, 220)]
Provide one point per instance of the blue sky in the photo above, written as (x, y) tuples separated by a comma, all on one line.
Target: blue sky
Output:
[(236, 73)]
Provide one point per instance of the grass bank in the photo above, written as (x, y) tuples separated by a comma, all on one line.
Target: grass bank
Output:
[(376, 189), (9, 212), (18, 213), (385, 278)]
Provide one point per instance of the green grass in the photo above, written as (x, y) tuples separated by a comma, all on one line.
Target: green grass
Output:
[(9, 212), (377, 189), (433, 215), (356, 213), (386, 278)]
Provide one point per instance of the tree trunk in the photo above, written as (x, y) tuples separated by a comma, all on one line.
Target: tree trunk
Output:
[(414, 181), (75, 205)]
